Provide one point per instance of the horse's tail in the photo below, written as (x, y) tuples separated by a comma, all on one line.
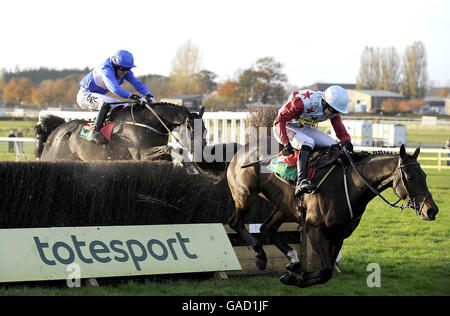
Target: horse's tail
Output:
[(43, 130)]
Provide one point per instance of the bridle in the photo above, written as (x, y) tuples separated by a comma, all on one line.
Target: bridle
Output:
[(396, 183), (191, 129), (411, 196)]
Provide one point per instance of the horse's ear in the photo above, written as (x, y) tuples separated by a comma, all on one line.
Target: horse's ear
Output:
[(417, 152), (402, 151), (201, 112)]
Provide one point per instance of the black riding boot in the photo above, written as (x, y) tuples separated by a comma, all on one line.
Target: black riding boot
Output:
[(97, 136), (303, 183)]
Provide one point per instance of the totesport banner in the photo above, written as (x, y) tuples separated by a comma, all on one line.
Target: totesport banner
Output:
[(56, 253)]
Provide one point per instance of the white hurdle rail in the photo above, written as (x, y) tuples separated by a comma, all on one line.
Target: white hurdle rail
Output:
[(71, 115)]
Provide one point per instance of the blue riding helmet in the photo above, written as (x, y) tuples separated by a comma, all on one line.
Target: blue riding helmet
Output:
[(124, 59)]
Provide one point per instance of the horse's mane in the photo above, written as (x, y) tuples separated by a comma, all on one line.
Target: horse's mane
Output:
[(168, 104), (137, 109), (383, 153), (154, 105), (365, 156)]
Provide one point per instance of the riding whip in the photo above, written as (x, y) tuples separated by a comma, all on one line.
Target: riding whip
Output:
[(259, 161)]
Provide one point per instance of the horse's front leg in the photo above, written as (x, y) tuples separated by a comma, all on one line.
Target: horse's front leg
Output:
[(321, 247), (270, 229), (152, 153), (335, 248), (236, 222)]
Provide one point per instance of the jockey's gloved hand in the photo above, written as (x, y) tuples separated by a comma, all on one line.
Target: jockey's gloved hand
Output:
[(139, 99), (150, 99), (135, 97), (347, 145), (288, 150), (142, 102)]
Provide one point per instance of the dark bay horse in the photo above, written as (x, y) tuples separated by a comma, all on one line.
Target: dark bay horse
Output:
[(145, 140), (327, 216)]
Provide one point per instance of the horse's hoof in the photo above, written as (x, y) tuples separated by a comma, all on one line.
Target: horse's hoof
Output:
[(288, 279), (306, 283), (294, 267), (261, 262)]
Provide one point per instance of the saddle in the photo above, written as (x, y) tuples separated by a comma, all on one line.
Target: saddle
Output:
[(320, 163), (108, 125)]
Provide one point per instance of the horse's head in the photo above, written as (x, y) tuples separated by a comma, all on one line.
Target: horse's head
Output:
[(173, 115), (196, 127), (409, 184)]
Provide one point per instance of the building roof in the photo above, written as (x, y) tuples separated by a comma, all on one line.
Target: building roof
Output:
[(321, 86), (380, 93), (436, 99)]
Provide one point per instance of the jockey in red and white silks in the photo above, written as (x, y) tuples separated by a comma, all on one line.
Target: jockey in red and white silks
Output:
[(296, 121)]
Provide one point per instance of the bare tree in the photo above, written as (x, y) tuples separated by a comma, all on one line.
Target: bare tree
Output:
[(185, 65), (414, 71), (370, 70), (390, 69)]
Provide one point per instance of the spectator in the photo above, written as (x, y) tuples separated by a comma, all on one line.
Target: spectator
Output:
[(11, 144), (447, 146), (20, 144)]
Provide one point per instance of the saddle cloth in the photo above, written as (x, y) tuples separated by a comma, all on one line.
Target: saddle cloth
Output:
[(285, 168), (88, 129), (108, 127)]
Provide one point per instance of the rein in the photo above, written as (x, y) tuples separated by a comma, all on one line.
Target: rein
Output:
[(163, 124), (400, 167), (134, 121), (144, 126)]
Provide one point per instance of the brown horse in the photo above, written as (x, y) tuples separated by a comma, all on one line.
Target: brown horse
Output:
[(332, 213)]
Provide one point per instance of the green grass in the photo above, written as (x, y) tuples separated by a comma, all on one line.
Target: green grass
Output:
[(414, 257), (28, 131), (416, 133), (437, 134), (26, 126)]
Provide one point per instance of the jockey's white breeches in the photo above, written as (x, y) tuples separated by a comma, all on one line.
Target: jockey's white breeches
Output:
[(93, 101), (305, 136)]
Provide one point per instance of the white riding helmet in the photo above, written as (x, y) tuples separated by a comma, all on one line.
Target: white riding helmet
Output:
[(337, 98)]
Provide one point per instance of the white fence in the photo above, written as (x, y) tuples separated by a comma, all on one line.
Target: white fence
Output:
[(224, 127), (71, 115), (441, 156), (219, 131)]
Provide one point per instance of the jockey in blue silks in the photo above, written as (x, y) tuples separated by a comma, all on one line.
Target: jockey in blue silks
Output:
[(108, 77)]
